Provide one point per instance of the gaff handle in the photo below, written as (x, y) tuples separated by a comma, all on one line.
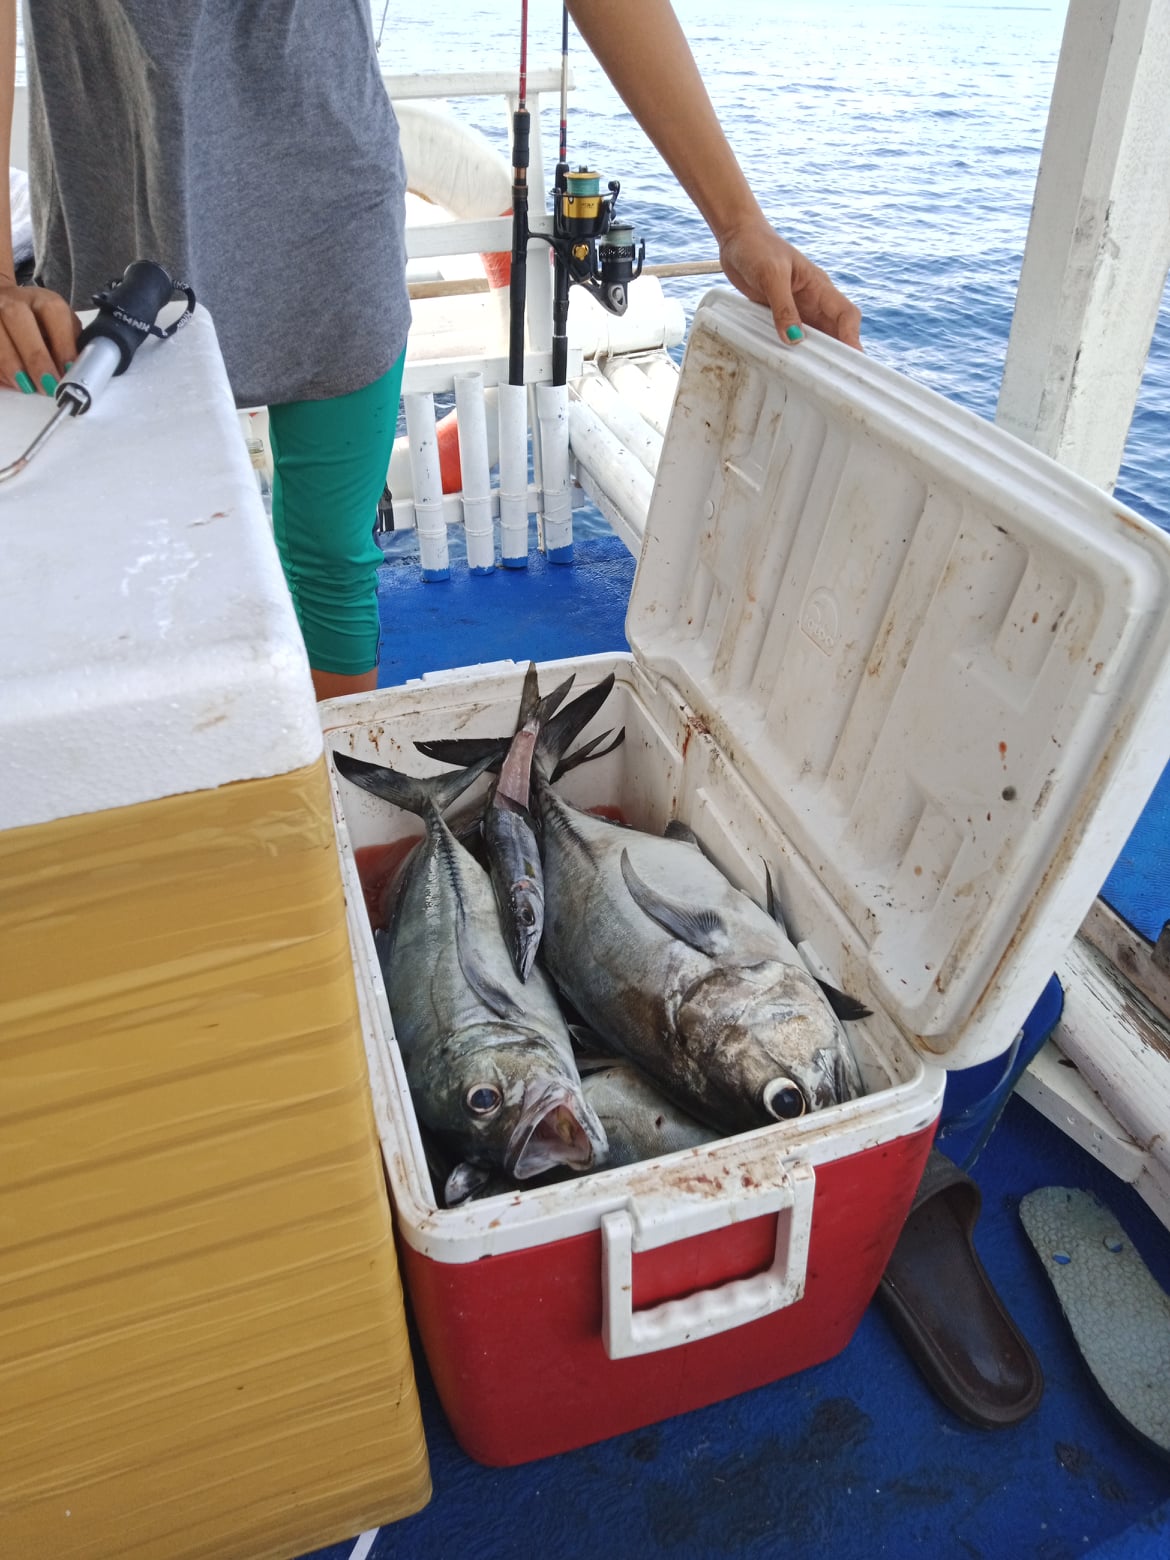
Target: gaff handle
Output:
[(127, 310)]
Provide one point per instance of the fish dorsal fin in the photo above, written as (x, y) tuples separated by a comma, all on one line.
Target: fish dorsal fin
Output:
[(701, 929), (486, 988)]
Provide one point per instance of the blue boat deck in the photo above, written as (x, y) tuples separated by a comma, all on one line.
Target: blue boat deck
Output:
[(856, 1458)]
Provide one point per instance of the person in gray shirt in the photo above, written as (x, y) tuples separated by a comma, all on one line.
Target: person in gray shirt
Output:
[(252, 150)]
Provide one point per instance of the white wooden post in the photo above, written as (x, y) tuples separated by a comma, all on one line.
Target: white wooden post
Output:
[(1099, 241)]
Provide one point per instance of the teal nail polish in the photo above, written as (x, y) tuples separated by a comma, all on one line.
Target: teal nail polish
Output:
[(24, 383), (68, 366), (48, 384), (794, 333)]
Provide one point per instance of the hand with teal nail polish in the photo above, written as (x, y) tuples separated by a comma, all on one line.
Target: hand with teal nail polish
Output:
[(768, 269), (38, 332)]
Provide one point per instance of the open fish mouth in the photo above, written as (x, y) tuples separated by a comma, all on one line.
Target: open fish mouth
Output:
[(549, 1133)]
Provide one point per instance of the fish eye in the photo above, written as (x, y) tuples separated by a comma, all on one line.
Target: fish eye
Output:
[(784, 1099), (483, 1099), (527, 914)]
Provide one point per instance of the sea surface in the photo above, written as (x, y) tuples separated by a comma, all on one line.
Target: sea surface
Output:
[(896, 144)]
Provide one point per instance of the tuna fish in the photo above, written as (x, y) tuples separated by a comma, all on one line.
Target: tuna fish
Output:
[(683, 973), (488, 1057), (640, 1123)]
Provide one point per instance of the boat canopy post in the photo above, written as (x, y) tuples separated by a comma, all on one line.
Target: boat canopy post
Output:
[(1098, 245)]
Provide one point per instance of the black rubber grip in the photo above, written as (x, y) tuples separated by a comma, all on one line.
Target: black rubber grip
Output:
[(128, 309), (521, 124)]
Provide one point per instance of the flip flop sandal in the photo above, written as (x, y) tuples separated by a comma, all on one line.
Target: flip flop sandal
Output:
[(940, 1301), (1118, 1312)]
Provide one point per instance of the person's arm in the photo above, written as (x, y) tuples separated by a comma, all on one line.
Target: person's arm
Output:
[(38, 329), (640, 46), (7, 92)]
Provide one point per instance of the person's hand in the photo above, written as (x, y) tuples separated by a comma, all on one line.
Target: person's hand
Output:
[(38, 336), (768, 269)]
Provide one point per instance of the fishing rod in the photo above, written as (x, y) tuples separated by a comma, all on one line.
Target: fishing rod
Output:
[(513, 397), (590, 248), (518, 282)]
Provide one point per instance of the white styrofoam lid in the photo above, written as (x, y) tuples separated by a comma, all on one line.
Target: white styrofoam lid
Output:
[(148, 645), (941, 661)]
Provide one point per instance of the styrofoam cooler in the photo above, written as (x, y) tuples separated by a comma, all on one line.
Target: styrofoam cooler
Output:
[(203, 1341), (921, 673)]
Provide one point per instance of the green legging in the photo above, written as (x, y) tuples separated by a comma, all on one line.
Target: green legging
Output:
[(330, 460)]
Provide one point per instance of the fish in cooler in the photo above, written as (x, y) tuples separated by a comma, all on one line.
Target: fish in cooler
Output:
[(488, 1057)]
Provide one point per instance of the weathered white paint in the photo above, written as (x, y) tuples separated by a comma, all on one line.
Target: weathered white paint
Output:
[(1099, 240), (1054, 1086), (1117, 1045)]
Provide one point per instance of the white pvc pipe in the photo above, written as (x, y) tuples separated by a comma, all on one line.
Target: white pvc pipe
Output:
[(552, 406), (632, 385), (513, 404), (621, 419), (477, 482), (625, 480), (428, 486)]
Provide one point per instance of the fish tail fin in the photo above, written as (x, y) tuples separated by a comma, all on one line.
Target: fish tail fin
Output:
[(410, 792), (558, 736), (535, 711), (588, 750)]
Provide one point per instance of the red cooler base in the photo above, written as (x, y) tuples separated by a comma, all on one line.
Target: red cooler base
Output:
[(514, 1341)]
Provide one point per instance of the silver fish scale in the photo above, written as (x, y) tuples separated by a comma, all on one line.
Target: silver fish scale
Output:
[(442, 879), (631, 978)]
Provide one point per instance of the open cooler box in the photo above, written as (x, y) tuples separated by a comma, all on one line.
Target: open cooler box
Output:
[(922, 672)]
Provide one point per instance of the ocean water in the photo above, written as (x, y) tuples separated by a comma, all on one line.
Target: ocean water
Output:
[(896, 144)]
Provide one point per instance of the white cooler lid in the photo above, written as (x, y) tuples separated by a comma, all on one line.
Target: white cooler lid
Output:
[(938, 658), (148, 645)]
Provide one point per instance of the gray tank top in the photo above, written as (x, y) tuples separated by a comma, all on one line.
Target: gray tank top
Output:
[(248, 146)]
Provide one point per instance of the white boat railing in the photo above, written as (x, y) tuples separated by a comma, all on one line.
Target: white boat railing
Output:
[(587, 442)]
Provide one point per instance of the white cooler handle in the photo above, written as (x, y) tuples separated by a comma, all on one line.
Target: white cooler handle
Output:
[(627, 1332)]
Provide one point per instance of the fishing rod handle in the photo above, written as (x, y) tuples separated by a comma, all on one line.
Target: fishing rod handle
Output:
[(127, 310)]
